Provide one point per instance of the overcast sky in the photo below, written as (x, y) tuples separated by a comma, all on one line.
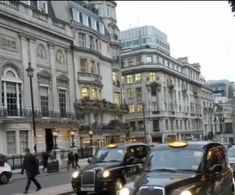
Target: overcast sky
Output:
[(204, 31)]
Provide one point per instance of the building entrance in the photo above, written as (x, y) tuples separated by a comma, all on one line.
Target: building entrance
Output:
[(49, 139)]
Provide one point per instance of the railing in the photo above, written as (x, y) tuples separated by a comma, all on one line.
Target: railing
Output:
[(94, 77), (10, 5), (26, 113), (58, 23), (39, 15)]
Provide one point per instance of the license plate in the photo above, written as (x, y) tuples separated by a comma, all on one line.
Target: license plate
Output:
[(87, 189)]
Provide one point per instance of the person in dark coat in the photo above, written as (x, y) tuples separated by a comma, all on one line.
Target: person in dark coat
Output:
[(70, 160), (45, 156), (31, 165), (76, 160)]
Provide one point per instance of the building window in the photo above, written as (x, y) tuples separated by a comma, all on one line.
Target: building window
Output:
[(138, 60), (94, 93), (131, 108), (176, 124), (42, 6), (23, 140), (155, 125), (149, 59), (85, 92), (80, 18), (11, 142), (166, 124), (152, 76), (92, 44), (117, 98), (172, 124), (137, 78), (93, 68), (129, 79), (11, 94), (130, 94), (62, 102), (138, 92), (83, 65), (130, 61), (82, 39), (44, 101), (139, 108), (132, 125)]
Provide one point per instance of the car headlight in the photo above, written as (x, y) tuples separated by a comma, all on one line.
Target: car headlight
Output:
[(75, 174), (186, 192), (124, 191), (106, 173)]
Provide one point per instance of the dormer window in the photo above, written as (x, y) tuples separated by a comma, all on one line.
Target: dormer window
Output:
[(42, 6)]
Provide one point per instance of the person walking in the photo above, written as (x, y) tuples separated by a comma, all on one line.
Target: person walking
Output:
[(31, 165), (70, 160), (76, 158), (45, 157)]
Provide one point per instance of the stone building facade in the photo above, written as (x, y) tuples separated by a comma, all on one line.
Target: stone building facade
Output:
[(164, 94), (71, 50)]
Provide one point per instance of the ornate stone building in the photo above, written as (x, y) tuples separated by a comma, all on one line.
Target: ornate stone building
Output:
[(76, 73)]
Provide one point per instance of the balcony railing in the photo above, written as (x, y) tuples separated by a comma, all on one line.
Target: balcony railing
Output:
[(89, 77), (27, 113), (87, 104)]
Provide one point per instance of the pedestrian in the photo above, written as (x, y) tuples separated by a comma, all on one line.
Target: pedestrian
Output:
[(76, 158), (45, 157), (70, 160), (31, 165)]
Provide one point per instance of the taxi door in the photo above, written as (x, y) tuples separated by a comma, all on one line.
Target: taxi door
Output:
[(214, 183), (134, 160)]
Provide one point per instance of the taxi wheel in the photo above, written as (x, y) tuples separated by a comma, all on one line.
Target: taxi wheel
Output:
[(4, 178), (118, 187), (81, 193)]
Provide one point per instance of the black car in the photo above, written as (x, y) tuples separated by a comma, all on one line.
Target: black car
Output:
[(181, 168), (110, 168)]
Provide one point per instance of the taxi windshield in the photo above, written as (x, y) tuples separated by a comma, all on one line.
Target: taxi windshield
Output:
[(179, 159), (108, 155)]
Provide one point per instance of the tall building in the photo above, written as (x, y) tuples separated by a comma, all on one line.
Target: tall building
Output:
[(163, 93), (76, 82)]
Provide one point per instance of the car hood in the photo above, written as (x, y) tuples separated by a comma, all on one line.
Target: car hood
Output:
[(101, 166), (166, 179)]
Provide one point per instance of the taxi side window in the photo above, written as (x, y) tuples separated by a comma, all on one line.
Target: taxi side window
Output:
[(141, 153), (130, 154), (215, 156)]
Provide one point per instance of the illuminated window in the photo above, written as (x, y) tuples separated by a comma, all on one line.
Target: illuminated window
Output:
[(130, 94), (117, 98), (94, 93), (129, 79), (114, 75), (131, 108), (85, 92), (149, 59), (139, 108), (152, 76), (138, 78)]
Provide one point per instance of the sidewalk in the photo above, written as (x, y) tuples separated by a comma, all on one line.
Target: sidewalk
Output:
[(55, 190), (16, 173)]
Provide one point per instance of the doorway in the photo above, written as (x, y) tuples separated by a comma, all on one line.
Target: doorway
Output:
[(49, 139)]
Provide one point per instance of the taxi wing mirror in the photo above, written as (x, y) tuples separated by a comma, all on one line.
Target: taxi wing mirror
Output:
[(216, 168), (89, 160)]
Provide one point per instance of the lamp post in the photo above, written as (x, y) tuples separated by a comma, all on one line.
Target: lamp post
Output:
[(72, 134), (55, 135), (91, 134), (30, 71), (145, 133)]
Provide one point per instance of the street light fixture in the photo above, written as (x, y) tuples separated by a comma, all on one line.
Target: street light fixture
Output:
[(72, 134), (30, 72), (145, 133), (55, 135), (91, 134)]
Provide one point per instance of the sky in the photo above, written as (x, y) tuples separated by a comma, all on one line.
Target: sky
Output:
[(203, 31)]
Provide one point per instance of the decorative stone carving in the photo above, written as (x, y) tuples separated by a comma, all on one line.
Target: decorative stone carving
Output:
[(41, 52), (62, 81), (60, 57), (8, 43), (44, 77)]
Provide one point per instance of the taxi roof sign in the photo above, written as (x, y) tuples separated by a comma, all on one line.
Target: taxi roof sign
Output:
[(112, 146), (178, 144)]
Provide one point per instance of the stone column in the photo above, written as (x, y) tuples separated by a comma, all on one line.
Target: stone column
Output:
[(72, 81), (55, 102)]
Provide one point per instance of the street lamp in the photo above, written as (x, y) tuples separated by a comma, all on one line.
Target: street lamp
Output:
[(30, 71), (55, 135), (72, 134), (91, 134)]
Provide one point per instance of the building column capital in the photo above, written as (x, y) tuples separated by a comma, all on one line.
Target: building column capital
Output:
[(51, 45)]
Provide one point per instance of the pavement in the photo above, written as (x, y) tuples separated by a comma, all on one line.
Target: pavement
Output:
[(52, 190)]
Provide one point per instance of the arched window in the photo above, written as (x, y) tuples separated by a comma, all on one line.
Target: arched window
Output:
[(12, 93)]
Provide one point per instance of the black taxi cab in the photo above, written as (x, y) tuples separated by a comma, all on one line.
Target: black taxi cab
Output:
[(184, 168), (110, 168)]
